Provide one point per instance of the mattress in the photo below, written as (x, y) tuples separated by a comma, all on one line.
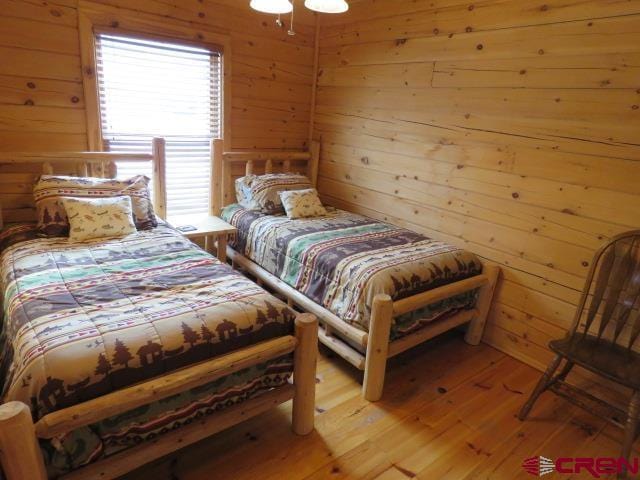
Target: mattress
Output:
[(81, 320), (342, 260)]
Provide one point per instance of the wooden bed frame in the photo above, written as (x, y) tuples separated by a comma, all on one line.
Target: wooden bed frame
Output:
[(347, 341), (20, 454)]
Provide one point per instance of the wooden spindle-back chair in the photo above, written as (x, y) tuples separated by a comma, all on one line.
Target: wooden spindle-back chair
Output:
[(605, 331)]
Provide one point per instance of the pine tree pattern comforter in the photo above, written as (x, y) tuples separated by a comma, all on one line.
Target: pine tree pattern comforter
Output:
[(342, 260), (81, 320)]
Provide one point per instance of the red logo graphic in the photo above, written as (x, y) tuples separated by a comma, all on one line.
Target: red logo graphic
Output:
[(538, 466), (596, 467)]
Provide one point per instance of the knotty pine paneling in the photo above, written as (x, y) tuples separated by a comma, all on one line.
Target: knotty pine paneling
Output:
[(42, 103), (506, 127)]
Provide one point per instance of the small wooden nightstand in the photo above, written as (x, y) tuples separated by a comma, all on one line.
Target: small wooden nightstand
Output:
[(210, 228)]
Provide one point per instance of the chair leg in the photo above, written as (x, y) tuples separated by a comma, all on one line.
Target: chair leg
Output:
[(630, 431), (542, 385), (564, 372)]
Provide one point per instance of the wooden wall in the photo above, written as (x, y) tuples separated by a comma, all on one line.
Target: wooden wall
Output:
[(42, 104), (510, 128)]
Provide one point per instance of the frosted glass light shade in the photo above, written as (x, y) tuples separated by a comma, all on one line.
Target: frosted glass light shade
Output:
[(327, 6), (271, 6)]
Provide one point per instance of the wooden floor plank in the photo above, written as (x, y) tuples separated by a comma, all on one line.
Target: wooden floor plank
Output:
[(449, 412)]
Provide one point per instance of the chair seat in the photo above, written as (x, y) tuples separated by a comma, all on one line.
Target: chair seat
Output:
[(599, 356)]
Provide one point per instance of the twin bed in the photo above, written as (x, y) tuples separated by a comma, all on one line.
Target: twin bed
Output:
[(376, 289), (118, 351)]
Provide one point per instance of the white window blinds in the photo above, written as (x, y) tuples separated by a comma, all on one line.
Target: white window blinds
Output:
[(150, 88)]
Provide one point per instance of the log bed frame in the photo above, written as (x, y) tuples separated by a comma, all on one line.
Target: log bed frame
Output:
[(20, 454), (347, 341)]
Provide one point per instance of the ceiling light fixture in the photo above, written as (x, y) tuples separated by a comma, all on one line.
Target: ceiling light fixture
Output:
[(278, 7), (272, 6), (327, 6), (285, 6)]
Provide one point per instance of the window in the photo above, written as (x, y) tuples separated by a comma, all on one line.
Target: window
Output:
[(152, 88)]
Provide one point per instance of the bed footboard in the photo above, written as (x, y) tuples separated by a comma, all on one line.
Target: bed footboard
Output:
[(377, 342), (384, 309), (21, 457)]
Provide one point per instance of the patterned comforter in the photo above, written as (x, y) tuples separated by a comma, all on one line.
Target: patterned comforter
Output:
[(342, 260), (83, 319)]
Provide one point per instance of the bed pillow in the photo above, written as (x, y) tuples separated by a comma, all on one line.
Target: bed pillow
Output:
[(243, 192), (91, 218), (302, 203), (52, 217), (262, 192)]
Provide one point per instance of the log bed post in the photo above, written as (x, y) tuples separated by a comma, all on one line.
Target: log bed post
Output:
[(314, 162), (217, 195), (159, 177), (82, 170), (111, 170), (377, 347), (304, 373), (20, 454), (476, 326)]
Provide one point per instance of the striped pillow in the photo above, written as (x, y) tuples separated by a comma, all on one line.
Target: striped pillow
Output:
[(243, 192), (52, 216), (262, 192)]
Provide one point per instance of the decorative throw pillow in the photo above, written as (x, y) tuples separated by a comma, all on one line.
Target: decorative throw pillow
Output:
[(302, 203), (98, 217), (263, 192), (52, 217), (243, 193)]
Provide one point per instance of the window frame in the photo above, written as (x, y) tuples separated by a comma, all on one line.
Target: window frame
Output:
[(109, 20)]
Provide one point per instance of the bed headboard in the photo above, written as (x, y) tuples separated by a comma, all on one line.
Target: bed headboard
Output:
[(20, 171), (228, 166)]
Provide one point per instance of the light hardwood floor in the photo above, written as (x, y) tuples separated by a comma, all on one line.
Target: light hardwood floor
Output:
[(448, 412)]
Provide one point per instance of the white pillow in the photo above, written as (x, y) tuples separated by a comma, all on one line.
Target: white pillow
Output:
[(99, 217), (302, 203)]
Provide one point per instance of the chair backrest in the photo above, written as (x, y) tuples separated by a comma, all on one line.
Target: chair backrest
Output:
[(610, 302)]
